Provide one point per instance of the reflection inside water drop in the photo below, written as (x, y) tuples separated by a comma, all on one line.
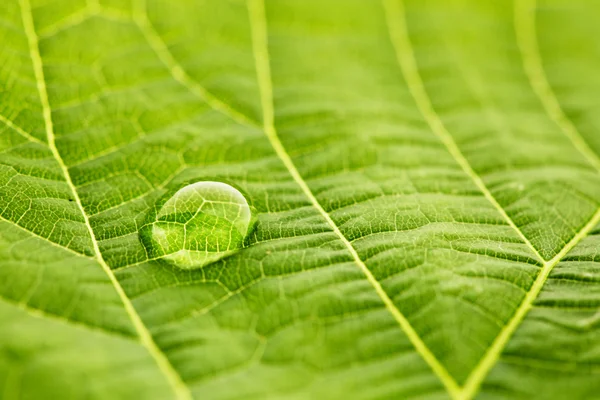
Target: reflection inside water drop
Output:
[(199, 224)]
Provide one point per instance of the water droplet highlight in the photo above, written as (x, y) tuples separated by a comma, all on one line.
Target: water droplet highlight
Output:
[(199, 224)]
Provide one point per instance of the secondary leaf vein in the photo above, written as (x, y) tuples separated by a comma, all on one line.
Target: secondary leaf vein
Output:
[(40, 313), (35, 235), (20, 130), (492, 355), (161, 49), (406, 60), (532, 63)]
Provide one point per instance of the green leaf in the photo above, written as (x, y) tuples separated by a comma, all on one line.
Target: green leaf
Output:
[(424, 177)]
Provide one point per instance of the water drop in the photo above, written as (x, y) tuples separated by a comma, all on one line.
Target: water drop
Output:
[(199, 224)]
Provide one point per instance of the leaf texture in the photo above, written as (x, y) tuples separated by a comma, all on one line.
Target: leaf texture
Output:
[(425, 176)]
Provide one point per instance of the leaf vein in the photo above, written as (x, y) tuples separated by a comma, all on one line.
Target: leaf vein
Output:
[(35, 235), (164, 54), (406, 60), (162, 361), (405, 56), (40, 313), (259, 35), (525, 30), (20, 130), (480, 371)]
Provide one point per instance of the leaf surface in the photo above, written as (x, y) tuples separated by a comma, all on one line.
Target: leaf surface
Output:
[(425, 177)]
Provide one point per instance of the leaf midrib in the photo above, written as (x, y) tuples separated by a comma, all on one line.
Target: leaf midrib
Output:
[(180, 389)]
